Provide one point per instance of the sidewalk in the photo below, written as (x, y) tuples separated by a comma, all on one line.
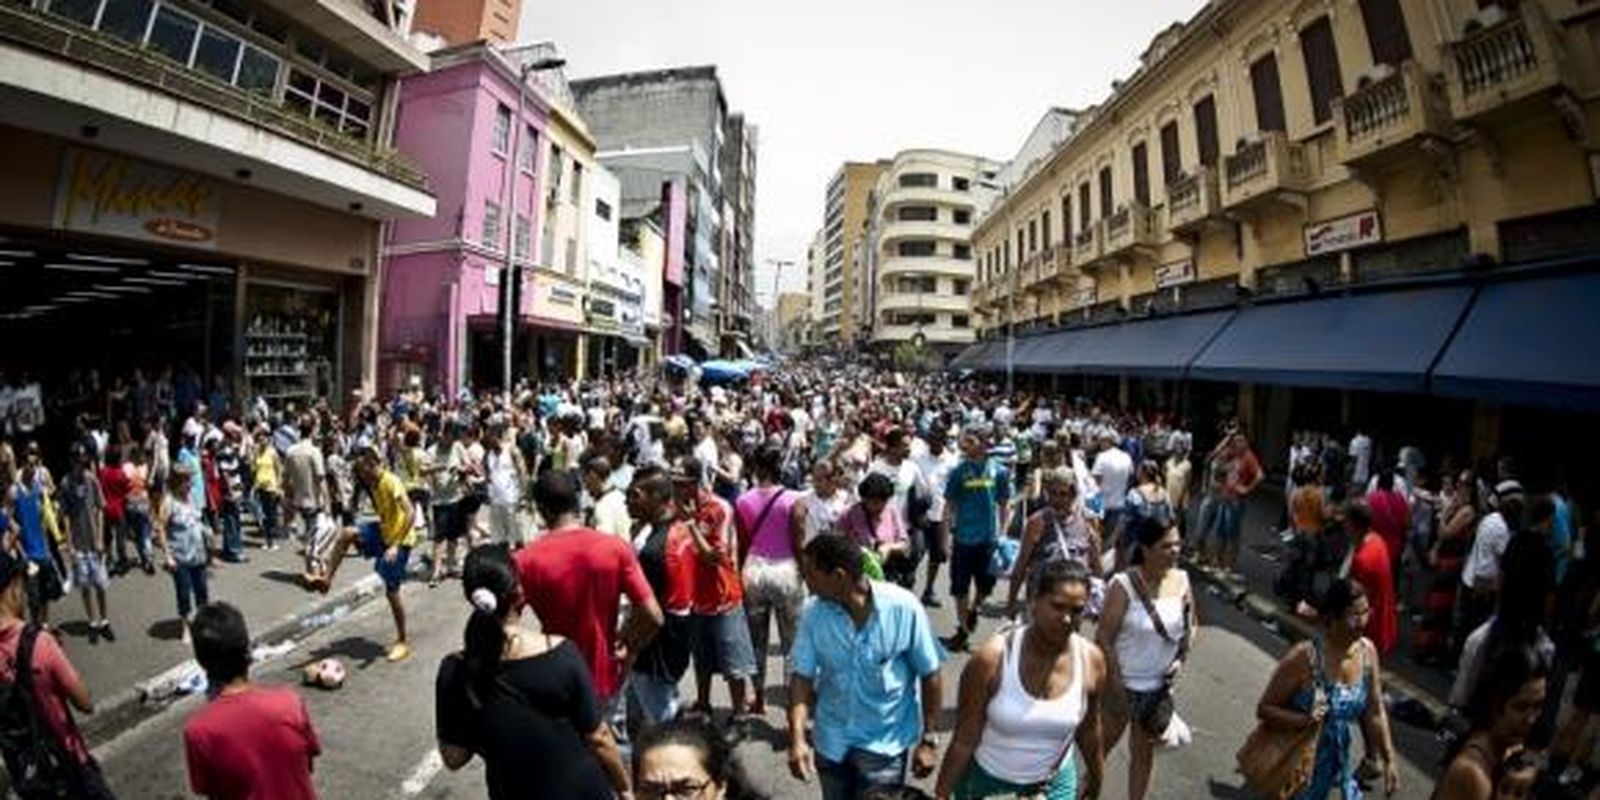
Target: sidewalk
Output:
[(1259, 566)]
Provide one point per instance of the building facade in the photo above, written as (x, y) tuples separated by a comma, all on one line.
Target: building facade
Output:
[(791, 318), (512, 191), (916, 262), (459, 22), (1302, 160), (614, 300), (843, 226), (205, 182), (736, 294)]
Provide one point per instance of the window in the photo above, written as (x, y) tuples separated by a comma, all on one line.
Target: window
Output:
[(961, 216), (1106, 196), (921, 248), (602, 209), (1033, 236), (491, 225), (1268, 93), (1205, 130), (1022, 250), (960, 184), (960, 321), (1322, 68), (1006, 255), (530, 146), (557, 167), (1141, 173), (918, 214), (1084, 211), (1066, 218), (961, 252), (521, 235), (322, 100), (572, 255), (173, 34), (258, 71), (1386, 31), (79, 11), (960, 287), (217, 55), (1044, 227), (501, 143), (922, 179), (577, 183), (1171, 157), (125, 19)]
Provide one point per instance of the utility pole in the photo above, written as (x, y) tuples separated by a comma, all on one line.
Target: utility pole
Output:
[(511, 267)]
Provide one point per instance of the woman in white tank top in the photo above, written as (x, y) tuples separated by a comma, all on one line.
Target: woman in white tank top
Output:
[(1029, 698)]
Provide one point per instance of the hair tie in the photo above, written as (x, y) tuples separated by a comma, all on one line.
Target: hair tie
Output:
[(484, 600)]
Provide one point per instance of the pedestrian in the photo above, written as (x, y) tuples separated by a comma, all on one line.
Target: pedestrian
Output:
[(1058, 532), (935, 464), (1030, 701), (688, 758), (977, 503), (229, 496), (1370, 567), (521, 700), (447, 476), (608, 507), (1391, 517), (1431, 640), (505, 472), (667, 559), (1491, 762), (267, 466), (875, 526), (1113, 474), (59, 759), (574, 578), (1147, 499), (1236, 473), (249, 741), (1147, 632), (114, 487), (773, 533), (84, 506), (820, 506), (721, 632), (137, 509), (866, 659), (181, 536), (305, 487), (1335, 681), (1519, 617), (27, 498), (388, 542)]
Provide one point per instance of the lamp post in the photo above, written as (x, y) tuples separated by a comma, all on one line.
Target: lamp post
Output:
[(511, 272), (778, 265)]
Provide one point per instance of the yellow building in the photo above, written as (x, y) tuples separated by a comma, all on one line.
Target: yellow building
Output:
[(1267, 154), (844, 224)]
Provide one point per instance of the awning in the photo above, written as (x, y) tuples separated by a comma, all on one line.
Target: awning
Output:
[(1528, 341), (982, 357), (1153, 348), (1048, 353), (1383, 341)]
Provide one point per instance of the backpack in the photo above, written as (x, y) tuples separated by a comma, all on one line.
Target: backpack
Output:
[(39, 764)]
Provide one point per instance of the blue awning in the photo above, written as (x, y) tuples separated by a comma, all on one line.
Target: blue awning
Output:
[(1384, 341), (1154, 348), (1528, 341), (968, 356)]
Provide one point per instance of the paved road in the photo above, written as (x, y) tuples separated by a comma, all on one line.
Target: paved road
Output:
[(377, 732)]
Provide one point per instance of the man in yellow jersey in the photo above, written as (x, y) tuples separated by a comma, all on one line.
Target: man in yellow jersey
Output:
[(388, 541)]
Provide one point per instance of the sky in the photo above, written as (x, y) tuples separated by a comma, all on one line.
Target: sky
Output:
[(829, 81)]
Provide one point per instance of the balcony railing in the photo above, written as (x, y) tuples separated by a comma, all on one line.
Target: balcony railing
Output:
[(1130, 228), (33, 29), (1375, 119), (1494, 65), (1192, 199), (1086, 245), (1263, 167)]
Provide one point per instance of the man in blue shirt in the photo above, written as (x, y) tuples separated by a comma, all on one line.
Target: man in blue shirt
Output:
[(977, 497), (859, 646)]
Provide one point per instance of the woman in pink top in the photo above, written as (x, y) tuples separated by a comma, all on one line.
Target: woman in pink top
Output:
[(875, 526), (770, 538)]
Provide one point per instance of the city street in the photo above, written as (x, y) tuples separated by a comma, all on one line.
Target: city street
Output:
[(377, 732)]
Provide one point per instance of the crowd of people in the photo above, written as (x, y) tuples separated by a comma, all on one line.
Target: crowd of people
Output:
[(651, 525)]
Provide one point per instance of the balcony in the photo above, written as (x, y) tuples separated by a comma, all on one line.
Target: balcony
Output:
[(1192, 200), (1130, 232), (1379, 122), (1501, 62), (893, 232), (1266, 169), (943, 266), (1086, 245), (924, 301)]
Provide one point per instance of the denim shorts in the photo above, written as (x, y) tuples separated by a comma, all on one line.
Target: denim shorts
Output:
[(721, 644)]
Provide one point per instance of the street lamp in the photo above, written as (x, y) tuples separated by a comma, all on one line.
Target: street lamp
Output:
[(511, 272)]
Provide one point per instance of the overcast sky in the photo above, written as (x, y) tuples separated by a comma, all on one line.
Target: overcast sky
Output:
[(828, 81)]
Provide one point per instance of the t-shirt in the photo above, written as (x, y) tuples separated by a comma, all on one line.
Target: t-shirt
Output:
[(1483, 560), (666, 655), (1370, 568), (83, 503), (574, 580), (974, 494), (389, 500), (1114, 469), (304, 473), (1361, 456), (266, 469), (254, 745), (114, 486), (531, 729), (772, 541), (865, 533), (52, 674), (716, 587)]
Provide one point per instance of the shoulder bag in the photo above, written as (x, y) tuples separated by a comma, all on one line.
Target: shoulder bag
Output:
[(1278, 763)]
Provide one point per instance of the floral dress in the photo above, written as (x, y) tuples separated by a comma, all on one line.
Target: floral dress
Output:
[(1346, 704)]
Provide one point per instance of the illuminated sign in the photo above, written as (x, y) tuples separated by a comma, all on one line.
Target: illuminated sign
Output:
[(114, 195)]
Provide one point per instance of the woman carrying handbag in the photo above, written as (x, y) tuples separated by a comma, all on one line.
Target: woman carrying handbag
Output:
[(1327, 685)]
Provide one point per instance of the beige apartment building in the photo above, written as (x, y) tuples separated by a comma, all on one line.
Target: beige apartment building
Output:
[(915, 264), (1342, 196), (844, 224)]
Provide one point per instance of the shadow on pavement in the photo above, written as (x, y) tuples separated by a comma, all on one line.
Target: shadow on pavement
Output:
[(167, 630), (283, 576)]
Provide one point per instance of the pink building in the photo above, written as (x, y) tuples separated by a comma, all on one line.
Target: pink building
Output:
[(442, 276)]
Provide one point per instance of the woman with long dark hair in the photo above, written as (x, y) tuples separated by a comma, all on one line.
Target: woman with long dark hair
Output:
[(522, 701), (1458, 518), (1502, 713)]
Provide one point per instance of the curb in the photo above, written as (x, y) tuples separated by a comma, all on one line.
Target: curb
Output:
[(1274, 616), (126, 709)]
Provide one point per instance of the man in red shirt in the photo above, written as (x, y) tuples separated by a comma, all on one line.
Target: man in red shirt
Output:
[(249, 743), (574, 578), (1370, 567), (720, 634)]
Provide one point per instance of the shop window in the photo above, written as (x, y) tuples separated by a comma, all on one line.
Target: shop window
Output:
[(491, 225), (501, 141), (1322, 68), (1422, 254), (217, 54), (292, 343), (126, 19), (173, 34), (1557, 235), (1268, 94)]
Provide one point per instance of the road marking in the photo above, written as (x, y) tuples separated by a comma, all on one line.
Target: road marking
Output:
[(422, 775)]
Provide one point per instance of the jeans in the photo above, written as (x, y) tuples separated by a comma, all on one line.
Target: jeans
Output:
[(190, 584), (232, 534), (651, 699), (267, 514), (860, 770), (772, 588), (137, 521)]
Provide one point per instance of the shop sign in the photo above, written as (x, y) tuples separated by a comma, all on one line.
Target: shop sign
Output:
[(602, 309), (1345, 233), (1175, 274), (563, 295), (113, 195)]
